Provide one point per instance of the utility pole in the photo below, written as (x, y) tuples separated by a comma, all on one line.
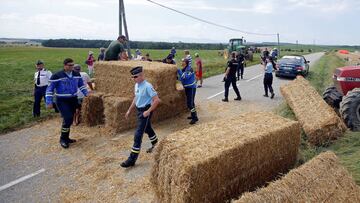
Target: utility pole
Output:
[(122, 19), (278, 39)]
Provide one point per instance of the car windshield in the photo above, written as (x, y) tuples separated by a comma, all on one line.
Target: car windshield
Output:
[(296, 60)]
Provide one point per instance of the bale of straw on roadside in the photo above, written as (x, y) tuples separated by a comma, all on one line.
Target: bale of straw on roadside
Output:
[(114, 77), (92, 110), (322, 179), (217, 161), (171, 105), (319, 121)]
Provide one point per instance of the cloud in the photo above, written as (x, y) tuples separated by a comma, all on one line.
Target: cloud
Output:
[(322, 5), (82, 4), (10, 16)]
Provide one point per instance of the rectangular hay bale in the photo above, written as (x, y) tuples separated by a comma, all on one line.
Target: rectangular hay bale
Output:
[(115, 109), (217, 161), (319, 121), (92, 110), (114, 77), (322, 179)]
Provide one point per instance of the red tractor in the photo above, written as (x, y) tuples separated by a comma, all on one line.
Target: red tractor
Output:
[(344, 96)]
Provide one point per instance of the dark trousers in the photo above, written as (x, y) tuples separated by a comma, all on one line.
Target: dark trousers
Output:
[(228, 81), (240, 70), (190, 101), (268, 79), (143, 126), (39, 93), (67, 108)]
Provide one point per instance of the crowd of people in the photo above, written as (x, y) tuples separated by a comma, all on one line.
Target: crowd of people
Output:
[(65, 90)]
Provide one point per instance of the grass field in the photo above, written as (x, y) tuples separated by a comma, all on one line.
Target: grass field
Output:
[(347, 147), (17, 66)]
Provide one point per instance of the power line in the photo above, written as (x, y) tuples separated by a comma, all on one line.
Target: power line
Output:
[(211, 23)]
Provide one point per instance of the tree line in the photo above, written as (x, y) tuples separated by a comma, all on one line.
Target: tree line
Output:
[(81, 43)]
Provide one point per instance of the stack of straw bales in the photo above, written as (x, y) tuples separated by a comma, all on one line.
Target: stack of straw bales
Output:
[(217, 161), (319, 121), (322, 179), (114, 77), (116, 87)]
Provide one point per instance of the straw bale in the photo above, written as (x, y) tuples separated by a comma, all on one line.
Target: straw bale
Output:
[(319, 121), (115, 110), (114, 77), (116, 107), (219, 160), (322, 179), (92, 110)]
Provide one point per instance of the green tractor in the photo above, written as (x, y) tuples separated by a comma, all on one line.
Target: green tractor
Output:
[(237, 45)]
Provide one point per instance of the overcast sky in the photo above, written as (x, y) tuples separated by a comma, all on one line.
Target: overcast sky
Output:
[(308, 21)]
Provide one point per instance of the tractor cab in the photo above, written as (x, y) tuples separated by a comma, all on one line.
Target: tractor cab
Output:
[(237, 45)]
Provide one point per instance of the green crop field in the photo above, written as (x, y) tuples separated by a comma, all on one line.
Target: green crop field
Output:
[(17, 66)]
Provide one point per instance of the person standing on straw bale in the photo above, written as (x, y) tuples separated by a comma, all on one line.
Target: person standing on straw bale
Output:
[(41, 80), (199, 69), (101, 56), (188, 57), (187, 77), (173, 51), (147, 57), (230, 78), (90, 63), (80, 96), (65, 84), (268, 77), (145, 101), (115, 50)]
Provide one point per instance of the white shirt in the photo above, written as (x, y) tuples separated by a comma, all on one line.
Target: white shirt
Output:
[(86, 78), (45, 76)]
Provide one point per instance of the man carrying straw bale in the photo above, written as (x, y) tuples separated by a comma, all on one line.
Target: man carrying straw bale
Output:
[(187, 78), (115, 50), (65, 84), (146, 100)]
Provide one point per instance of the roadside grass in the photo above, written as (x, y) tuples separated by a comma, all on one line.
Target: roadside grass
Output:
[(17, 69), (347, 148)]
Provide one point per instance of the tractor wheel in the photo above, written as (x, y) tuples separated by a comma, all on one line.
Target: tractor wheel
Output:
[(350, 109), (333, 97)]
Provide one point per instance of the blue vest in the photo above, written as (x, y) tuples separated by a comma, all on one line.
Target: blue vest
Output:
[(63, 86), (187, 77)]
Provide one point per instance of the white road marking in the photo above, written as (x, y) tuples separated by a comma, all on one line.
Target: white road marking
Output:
[(237, 84), (254, 78), (22, 179)]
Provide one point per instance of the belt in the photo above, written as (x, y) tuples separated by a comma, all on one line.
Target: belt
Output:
[(40, 85), (144, 108)]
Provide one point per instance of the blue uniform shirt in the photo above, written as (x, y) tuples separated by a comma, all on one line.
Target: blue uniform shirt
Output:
[(269, 68), (144, 92)]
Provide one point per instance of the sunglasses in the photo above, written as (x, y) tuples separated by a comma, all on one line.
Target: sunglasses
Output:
[(135, 76), (70, 64)]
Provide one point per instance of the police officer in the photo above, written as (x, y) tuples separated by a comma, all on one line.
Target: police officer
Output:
[(230, 78), (41, 80), (145, 101), (187, 77), (241, 62), (64, 84)]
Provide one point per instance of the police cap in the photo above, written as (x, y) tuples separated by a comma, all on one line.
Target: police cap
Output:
[(136, 70)]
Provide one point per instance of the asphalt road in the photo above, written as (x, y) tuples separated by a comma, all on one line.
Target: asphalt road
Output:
[(33, 168)]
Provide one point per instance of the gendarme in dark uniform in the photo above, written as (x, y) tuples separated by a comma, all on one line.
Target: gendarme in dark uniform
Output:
[(145, 101), (64, 85), (230, 78)]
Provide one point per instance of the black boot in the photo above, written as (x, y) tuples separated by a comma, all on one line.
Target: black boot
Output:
[(130, 161), (238, 98), (68, 139), (63, 142), (194, 118), (225, 100), (153, 144), (272, 95)]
